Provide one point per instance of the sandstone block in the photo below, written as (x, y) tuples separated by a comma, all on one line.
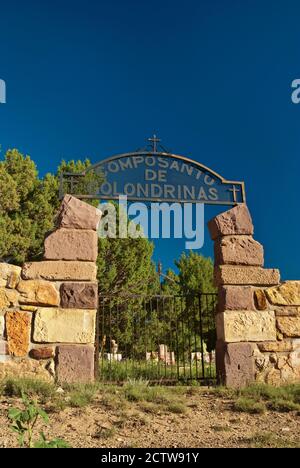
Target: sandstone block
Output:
[(238, 250), (2, 325), (3, 348), (260, 299), (18, 326), (60, 270), (72, 244), (235, 221), (238, 326), (8, 298), (75, 363), (236, 364), (64, 326), (76, 214), (25, 368), (13, 279), (42, 353), (235, 298), (29, 308), (238, 275), (288, 293), (287, 311), (276, 346), (38, 292), (289, 326), (79, 295), (296, 344), (6, 272)]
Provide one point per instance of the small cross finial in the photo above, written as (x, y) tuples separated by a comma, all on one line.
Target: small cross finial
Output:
[(154, 140), (234, 191)]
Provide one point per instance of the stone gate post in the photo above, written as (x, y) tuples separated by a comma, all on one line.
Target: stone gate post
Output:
[(239, 271), (48, 308), (258, 318)]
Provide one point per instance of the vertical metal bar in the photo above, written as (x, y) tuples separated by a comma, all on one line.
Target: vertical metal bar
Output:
[(146, 336), (134, 340), (138, 327), (189, 334), (61, 186), (171, 336), (176, 337), (97, 338), (126, 325), (152, 357), (110, 338), (209, 330), (103, 342), (166, 348), (195, 337), (72, 185), (159, 335), (182, 333), (118, 364), (201, 334)]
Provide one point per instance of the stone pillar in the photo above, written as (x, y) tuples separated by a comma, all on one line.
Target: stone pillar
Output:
[(238, 272), (48, 308)]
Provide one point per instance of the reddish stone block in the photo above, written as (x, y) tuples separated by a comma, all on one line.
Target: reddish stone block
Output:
[(235, 364), (42, 353), (245, 275), (72, 244), (220, 362), (75, 363), (79, 295), (76, 214), (235, 298), (235, 221), (238, 250)]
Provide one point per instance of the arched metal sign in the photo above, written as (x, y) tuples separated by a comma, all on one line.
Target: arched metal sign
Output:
[(159, 176)]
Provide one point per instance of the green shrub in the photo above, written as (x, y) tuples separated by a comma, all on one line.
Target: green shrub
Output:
[(24, 422), (81, 395), (283, 406), (270, 393), (136, 390), (31, 387), (177, 408), (249, 405), (271, 440), (221, 428)]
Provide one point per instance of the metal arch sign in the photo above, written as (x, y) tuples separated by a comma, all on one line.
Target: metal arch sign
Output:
[(153, 176), (157, 177)]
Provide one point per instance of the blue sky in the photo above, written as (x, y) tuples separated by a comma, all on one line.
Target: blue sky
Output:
[(212, 78)]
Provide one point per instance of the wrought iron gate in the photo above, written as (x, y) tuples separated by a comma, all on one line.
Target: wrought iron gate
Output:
[(163, 339)]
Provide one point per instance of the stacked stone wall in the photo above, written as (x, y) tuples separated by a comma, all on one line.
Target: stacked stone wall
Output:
[(48, 308), (258, 318)]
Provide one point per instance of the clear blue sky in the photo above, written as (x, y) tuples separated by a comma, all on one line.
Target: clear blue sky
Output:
[(212, 77)]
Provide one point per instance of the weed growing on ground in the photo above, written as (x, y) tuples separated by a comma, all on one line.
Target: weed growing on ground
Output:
[(270, 440), (257, 398), (31, 387), (24, 422), (248, 405)]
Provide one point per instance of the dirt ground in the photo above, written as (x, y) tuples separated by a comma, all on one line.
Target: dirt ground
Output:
[(208, 421)]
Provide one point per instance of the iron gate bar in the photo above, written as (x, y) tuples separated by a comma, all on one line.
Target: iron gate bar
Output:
[(176, 328)]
